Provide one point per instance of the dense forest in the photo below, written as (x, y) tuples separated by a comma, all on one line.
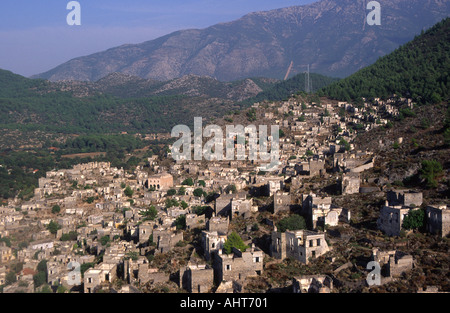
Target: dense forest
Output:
[(418, 70)]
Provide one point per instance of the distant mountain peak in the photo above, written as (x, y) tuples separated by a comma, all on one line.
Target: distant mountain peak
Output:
[(330, 35)]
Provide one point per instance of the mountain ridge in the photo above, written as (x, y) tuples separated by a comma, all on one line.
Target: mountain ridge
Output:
[(331, 35)]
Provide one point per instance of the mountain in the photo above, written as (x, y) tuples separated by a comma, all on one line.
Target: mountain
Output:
[(127, 86), (330, 35), (120, 102), (419, 70)]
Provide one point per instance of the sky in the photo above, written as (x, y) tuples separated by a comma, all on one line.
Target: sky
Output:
[(35, 36)]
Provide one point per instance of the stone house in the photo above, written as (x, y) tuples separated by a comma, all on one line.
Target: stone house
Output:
[(404, 197), (102, 273), (238, 265), (218, 224), (195, 221), (240, 207), (350, 183), (438, 220), (166, 239), (145, 230), (212, 242), (150, 275), (393, 262), (222, 205), (391, 219), (5, 254), (281, 202), (300, 245), (42, 245), (311, 168), (160, 181), (312, 284), (197, 278)]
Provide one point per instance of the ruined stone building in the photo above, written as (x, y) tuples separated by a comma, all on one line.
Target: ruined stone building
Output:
[(95, 277), (166, 239), (391, 219), (212, 242), (238, 265), (393, 263), (146, 274), (159, 181), (281, 202), (222, 205), (350, 183), (311, 168), (241, 207), (312, 284), (145, 231), (197, 278), (404, 197), (320, 212), (438, 220), (218, 224), (300, 245)]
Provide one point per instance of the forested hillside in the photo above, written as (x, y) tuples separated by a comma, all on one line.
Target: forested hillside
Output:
[(418, 70), (285, 89)]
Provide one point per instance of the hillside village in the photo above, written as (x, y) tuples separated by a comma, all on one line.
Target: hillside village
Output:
[(166, 226)]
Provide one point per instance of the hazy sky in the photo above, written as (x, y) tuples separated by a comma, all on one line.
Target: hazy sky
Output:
[(35, 37)]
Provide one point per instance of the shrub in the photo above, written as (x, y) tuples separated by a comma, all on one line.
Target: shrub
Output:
[(234, 241), (56, 209), (171, 192), (180, 222), (188, 182), (414, 220), (293, 222), (430, 171)]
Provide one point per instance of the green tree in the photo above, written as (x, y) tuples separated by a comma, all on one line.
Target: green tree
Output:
[(231, 188), (182, 191), (188, 181), (345, 143), (202, 183), (42, 266), (105, 240), (199, 192), (414, 219), (150, 214), (293, 222), (234, 241), (128, 192), (171, 203), (71, 236), (39, 279), (90, 200), (56, 209), (180, 222), (53, 227), (85, 266), (6, 240), (171, 192), (10, 278), (430, 171)]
